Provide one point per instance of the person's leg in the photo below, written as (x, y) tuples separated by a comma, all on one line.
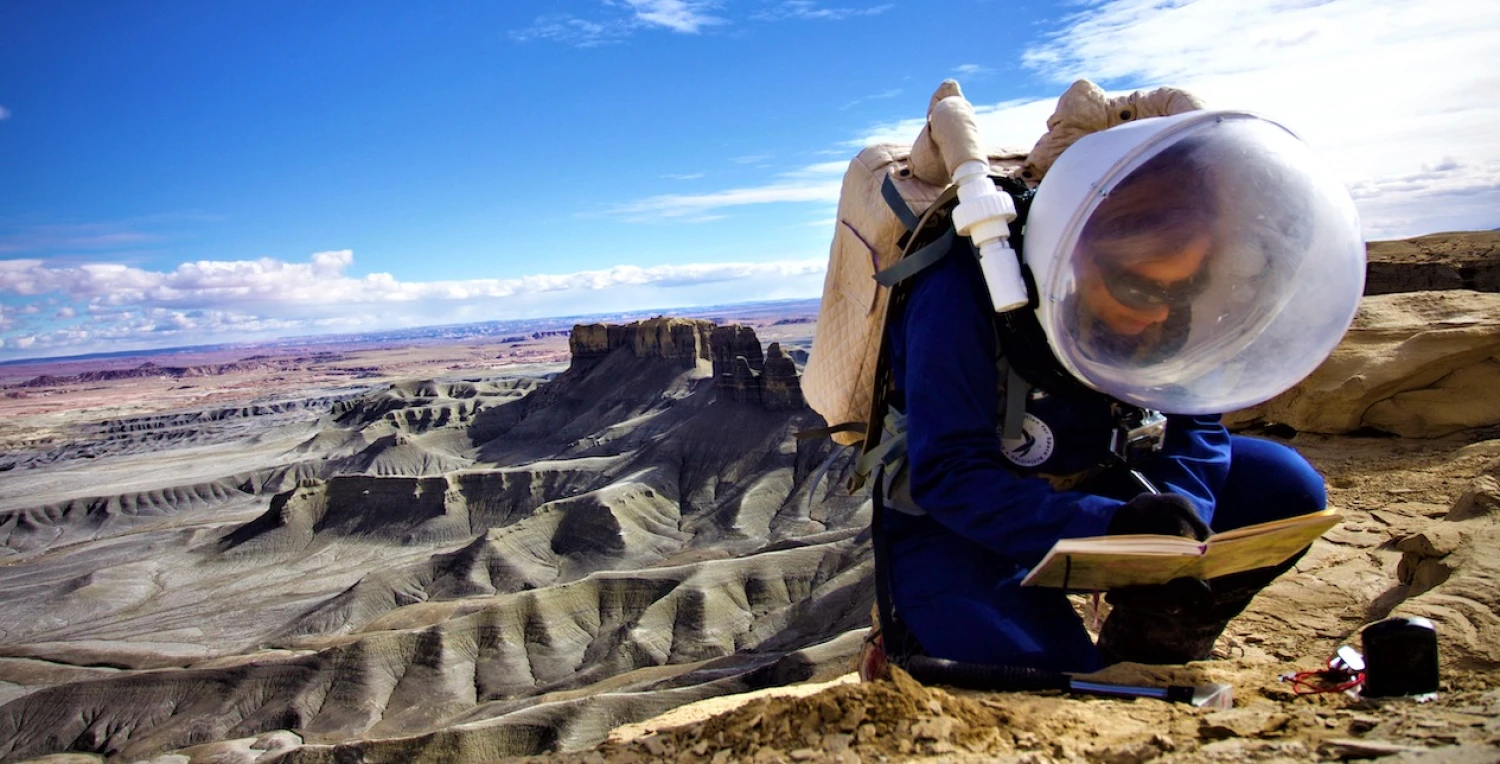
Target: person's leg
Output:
[(963, 604), (1267, 481), (1181, 621)]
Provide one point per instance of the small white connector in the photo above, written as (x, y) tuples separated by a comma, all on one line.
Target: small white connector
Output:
[(984, 214)]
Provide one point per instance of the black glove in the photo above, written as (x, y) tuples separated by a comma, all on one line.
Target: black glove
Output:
[(1163, 514)]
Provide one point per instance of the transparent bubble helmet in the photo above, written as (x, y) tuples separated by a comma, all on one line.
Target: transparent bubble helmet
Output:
[(1194, 264)]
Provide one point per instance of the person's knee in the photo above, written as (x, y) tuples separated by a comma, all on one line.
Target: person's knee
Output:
[(1277, 475)]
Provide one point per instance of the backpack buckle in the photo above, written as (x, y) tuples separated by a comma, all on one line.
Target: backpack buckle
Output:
[(1138, 433)]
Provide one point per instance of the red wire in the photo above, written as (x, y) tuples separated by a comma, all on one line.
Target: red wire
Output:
[(1315, 682)]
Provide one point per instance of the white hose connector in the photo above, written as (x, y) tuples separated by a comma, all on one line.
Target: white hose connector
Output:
[(984, 214)]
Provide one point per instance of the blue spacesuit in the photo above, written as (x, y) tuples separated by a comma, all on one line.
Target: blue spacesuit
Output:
[(992, 510)]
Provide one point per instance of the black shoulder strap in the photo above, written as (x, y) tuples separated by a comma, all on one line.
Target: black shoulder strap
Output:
[(893, 199)]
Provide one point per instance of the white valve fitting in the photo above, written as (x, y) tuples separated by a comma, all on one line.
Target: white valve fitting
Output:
[(983, 214)]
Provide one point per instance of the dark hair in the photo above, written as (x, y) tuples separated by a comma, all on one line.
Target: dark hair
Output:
[(1160, 207)]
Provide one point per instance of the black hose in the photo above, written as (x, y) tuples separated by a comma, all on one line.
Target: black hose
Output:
[(984, 676)]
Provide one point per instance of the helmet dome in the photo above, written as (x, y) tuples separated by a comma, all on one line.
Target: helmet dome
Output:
[(1197, 263)]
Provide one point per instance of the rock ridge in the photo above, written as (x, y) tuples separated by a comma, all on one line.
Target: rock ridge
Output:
[(683, 340), (742, 371), (743, 374)]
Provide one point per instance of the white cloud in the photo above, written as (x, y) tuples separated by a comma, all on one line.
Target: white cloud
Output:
[(876, 97), (818, 183), (1381, 88), (682, 16), (686, 16), (972, 70), (321, 282), (572, 30), (681, 205), (1449, 196), (683, 175), (810, 9), (72, 237), (1008, 124), (211, 301), (752, 158)]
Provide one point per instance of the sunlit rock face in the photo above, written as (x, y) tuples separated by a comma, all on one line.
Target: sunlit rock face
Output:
[(735, 341), (1441, 261), (1419, 365), (780, 387), (744, 375), (684, 340)]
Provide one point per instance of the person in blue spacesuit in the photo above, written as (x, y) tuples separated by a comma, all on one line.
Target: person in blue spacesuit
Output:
[(992, 507)]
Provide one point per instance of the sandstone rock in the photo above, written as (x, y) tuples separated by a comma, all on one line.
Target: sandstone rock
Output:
[(1241, 723), (684, 340), (1467, 260), (741, 384), (1480, 500), (781, 388), (744, 375), (1418, 365), (1448, 574), (727, 343)]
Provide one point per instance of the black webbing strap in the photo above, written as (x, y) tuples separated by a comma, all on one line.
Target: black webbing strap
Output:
[(898, 205), (913, 263), (1013, 416), (823, 432)]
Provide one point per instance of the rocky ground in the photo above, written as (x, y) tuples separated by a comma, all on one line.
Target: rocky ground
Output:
[(628, 558)]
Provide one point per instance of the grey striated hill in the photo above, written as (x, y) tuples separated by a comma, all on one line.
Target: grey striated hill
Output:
[(523, 563)]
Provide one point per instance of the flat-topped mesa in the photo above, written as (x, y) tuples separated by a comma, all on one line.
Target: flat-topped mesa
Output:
[(682, 340), (743, 375)]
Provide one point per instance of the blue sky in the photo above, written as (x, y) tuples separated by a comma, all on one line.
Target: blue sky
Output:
[(176, 173)]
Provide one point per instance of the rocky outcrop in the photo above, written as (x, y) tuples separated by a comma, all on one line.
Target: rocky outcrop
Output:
[(743, 375), (780, 387), (735, 341), (683, 340), (1448, 571), (1440, 261), (1419, 365)]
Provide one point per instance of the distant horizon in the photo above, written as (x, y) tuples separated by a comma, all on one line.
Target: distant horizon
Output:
[(394, 335)]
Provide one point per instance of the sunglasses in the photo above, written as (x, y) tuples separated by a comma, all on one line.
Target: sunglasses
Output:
[(1136, 291)]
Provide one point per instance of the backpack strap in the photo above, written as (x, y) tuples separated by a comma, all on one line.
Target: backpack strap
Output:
[(823, 432), (892, 196), (1013, 416), (917, 261)]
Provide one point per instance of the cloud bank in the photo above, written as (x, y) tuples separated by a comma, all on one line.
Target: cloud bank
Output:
[(114, 307)]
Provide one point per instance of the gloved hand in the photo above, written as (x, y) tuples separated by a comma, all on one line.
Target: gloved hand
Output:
[(1163, 514)]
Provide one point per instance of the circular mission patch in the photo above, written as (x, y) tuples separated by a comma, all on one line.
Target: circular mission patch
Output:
[(1033, 447)]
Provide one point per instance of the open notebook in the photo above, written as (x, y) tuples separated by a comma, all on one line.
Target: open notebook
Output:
[(1101, 563)]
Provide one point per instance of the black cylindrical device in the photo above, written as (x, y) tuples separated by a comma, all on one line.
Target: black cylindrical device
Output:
[(1401, 658)]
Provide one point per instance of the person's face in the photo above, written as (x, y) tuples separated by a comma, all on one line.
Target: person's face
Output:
[(1130, 299)]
